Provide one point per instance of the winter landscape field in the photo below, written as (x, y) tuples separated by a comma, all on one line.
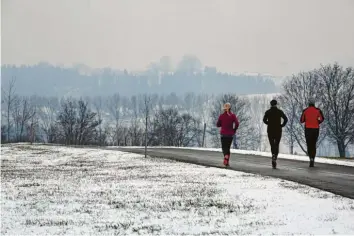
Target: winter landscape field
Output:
[(47, 190)]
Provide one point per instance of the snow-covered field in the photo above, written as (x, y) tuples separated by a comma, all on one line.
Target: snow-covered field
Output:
[(343, 162), (72, 191)]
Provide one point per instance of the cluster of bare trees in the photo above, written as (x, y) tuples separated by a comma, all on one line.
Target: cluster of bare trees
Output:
[(77, 124), (332, 87), (20, 115), (171, 128), (115, 120)]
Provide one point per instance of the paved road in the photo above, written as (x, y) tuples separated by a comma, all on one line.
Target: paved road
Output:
[(332, 178)]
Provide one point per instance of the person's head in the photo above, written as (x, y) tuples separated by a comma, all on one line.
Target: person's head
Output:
[(273, 103), (311, 102), (227, 106)]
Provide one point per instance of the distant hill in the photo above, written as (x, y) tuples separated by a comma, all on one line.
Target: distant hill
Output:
[(47, 80)]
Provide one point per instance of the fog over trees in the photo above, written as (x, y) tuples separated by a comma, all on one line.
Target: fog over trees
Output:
[(189, 76)]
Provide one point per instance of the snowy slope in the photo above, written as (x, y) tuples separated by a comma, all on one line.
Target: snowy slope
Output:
[(57, 190)]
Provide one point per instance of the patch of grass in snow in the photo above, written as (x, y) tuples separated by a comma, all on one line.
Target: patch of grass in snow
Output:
[(219, 232), (81, 163), (147, 229), (290, 185), (129, 167), (343, 207), (29, 185), (43, 152), (306, 190), (247, 175), (35, 162), (328, 218), (200, 204), (47, 222), (32, 148), (120, 225)]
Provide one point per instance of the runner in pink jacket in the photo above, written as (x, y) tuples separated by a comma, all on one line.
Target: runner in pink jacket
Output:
[(228, 123)]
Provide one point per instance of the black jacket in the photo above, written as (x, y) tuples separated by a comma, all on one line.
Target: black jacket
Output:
[(272, 118)]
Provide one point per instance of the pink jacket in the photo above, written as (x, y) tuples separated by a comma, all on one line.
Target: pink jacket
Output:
[(226, 121)]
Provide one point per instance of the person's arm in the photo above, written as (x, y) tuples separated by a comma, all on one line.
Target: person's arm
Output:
[(285, 119), (265, 118), (237, 123), (302, 119), (218, 124), (321, 117)]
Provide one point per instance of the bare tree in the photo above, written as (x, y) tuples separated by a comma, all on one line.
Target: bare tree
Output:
[(297, 92), (125, 135), (190, 102), (22, 112), (9, 100), (188, 130), (164, 129), (101, 135), (28, 114), (258, 106), (135, 131), (16, 117), (77, 123), (338, 99), (198, 107), (205, 115), (3, 133), (67, 121), (32, 128), (290, 108), (146, 109), (86, 124), (246, 137), (115, 108), (48, 122), (106, 134), (173, 129)]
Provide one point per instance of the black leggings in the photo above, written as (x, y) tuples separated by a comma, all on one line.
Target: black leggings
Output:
[(311, 136), (226, 145), (274, 140)]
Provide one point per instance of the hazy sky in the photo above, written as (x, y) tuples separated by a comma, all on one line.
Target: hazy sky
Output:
[(270, 36)]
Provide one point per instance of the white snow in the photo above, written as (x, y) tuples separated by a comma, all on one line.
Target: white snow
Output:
[(343, 162), (48, 190)]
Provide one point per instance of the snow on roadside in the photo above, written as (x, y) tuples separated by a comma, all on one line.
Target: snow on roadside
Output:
[(349, 162), (72, 191)]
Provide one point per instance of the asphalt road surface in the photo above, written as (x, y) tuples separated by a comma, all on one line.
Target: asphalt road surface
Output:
[(332, 178)]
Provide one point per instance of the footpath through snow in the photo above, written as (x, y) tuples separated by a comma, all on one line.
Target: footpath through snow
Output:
[(72, 191), (342, 162)]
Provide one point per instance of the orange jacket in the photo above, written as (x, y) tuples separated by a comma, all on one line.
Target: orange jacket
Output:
[(312, 117)]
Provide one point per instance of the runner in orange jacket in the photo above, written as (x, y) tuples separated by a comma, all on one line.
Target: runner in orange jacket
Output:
[(312, 117)]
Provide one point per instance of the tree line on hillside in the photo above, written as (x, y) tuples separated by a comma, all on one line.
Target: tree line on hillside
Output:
[(48, 80), (175, 120)]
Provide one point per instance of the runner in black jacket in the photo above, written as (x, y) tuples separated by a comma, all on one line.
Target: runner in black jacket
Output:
[(272, 118)]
